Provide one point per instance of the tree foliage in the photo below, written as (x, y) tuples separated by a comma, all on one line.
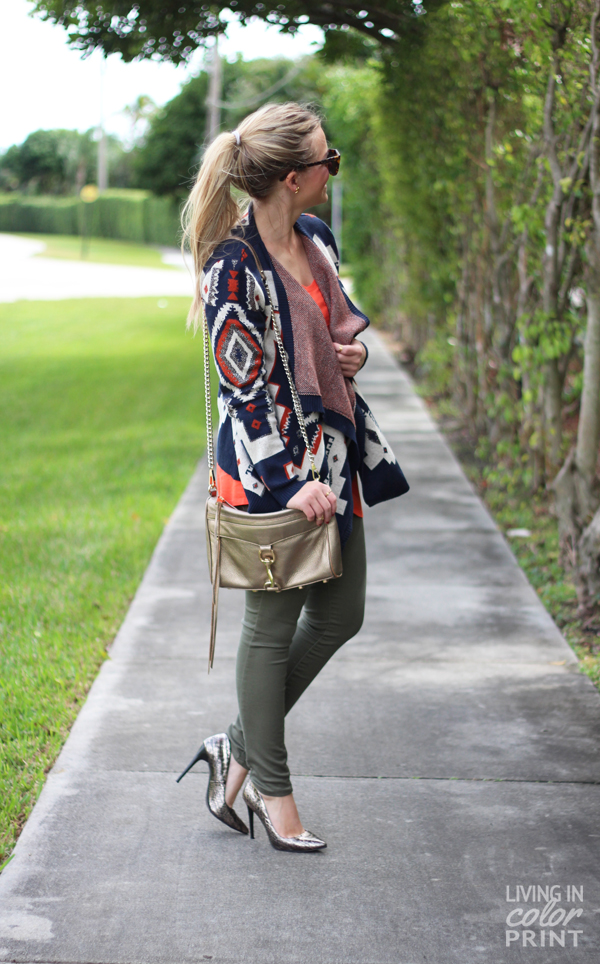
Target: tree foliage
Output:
[(172, 30), (49, 162), (350, 101), (485, 137), (60, 162)]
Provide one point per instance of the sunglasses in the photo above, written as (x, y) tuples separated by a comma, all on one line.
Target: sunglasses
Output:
[(332, 161)]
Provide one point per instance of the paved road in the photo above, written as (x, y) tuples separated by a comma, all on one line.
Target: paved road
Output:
[(30, 278), (448, 754)]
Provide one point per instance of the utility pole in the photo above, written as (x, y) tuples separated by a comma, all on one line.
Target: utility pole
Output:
[(336, 213), (213, 101), (102, 161), (103, 141)]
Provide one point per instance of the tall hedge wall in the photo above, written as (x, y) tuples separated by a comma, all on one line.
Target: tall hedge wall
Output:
[(124, 214)]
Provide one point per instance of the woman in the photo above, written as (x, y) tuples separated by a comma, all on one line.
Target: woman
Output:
[(279, 157)]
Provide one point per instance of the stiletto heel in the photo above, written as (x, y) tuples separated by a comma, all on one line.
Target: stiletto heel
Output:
[(200, 755), (305, 843), (216, 751)]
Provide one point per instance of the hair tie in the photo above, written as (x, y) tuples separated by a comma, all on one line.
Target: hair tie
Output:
[(238, 139)]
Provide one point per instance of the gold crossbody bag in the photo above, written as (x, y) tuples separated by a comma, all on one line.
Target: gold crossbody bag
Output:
[(267, 551)]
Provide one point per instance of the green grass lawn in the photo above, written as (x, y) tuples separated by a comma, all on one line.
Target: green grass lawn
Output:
[(101, 426), (105, 250)]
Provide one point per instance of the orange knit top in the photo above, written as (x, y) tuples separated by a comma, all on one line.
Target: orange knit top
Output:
[(316, 293)]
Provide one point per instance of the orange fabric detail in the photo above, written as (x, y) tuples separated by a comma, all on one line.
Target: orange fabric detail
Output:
[(230, 490), (358, 509), (317, 295)]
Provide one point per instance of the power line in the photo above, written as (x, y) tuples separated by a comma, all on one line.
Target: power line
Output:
[(252, 101)]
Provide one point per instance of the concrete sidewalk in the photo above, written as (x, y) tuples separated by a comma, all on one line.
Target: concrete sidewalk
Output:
[(448, 755), (28, 277)]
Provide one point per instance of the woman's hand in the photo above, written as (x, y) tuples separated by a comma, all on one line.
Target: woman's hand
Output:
[(316, 500), (351, 357)]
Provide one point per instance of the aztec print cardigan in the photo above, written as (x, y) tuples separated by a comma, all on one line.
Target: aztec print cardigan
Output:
[(261, 456)]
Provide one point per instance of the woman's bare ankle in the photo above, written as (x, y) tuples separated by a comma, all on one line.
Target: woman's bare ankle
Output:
[(235, 778)]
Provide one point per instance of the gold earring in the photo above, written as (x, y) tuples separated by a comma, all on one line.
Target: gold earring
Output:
[(297, 189)]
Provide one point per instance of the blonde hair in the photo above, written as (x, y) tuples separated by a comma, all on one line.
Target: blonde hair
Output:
[(269, 144)]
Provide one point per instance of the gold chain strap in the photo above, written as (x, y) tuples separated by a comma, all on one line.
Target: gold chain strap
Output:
[(210, 445), (210, 449), (295, 397)]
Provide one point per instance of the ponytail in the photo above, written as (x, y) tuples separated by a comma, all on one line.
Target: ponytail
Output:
[(210, 212), (267, 145)]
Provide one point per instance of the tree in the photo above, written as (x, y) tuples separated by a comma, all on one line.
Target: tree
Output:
[(60, 162), (166, 160), (50, 162), (172, 30), (577, 486), (350, 100), (139, 114)]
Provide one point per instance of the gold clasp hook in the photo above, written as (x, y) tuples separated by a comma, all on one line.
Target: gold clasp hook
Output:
[(266, 554)]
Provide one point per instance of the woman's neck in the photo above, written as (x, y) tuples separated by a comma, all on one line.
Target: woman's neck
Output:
[(275, 219)]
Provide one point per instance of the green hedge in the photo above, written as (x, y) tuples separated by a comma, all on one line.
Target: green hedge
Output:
[(125, 214), (42, 215)]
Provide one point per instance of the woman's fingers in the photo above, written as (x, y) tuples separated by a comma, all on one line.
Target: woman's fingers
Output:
[(325, 510), (324, 505), (316, 500), (350, 357), (309, 511), (320, 506)]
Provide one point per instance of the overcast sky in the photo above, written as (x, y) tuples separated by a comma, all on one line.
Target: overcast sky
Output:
[(46, 85)]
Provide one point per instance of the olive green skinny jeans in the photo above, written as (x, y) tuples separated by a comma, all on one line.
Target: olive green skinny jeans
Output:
[(287, 637)]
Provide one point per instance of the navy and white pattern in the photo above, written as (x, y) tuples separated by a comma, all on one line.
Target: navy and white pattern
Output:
[(261, 454)]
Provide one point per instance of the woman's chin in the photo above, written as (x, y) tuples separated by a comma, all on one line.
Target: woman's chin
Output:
[(311, 202)]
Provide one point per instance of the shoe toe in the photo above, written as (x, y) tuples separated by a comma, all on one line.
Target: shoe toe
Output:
[(309, 837)]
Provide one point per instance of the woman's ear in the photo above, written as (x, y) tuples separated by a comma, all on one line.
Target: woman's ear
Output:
[(291, 182)]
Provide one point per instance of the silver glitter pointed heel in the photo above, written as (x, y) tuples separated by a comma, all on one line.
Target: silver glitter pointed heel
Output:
[(305, 843), (216, 751)]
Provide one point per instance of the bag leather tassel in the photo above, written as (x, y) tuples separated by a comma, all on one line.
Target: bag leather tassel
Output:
[(215, 593)]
